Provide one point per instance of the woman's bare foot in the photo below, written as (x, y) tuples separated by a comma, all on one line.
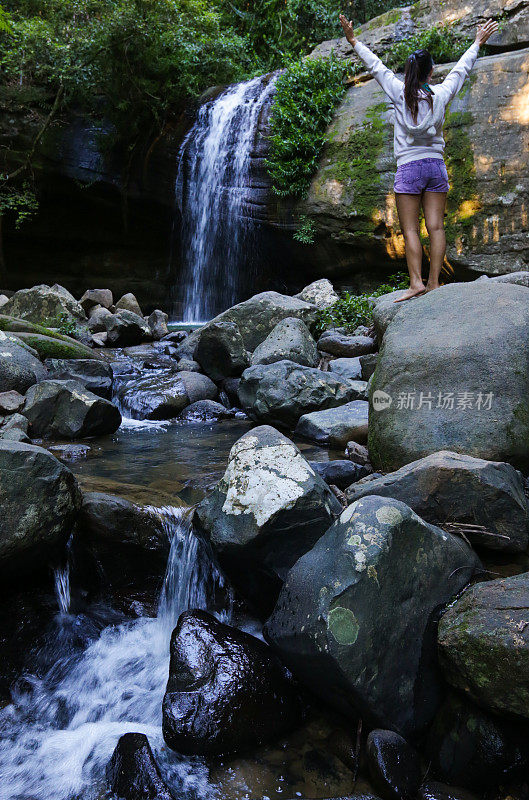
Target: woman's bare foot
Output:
[(430, 287), (415, 291)]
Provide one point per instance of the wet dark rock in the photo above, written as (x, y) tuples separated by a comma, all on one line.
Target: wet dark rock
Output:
[(434, 790), (394, 766), (157, 322), (290, 340), (339, 622), (96, 297), (188, 365), (19, 366), (485, 499), (154, 397), (226, 691), (281, 393), (231, 387), (129, 542), (197, 386), (470, 748), (129, 303), (97, 322), (347, 368), (336, 426), (132, 772), (220, 350), (345, 346), (205, 411), (177, 337), (125, 328), (484, 645), (357, 452), (66, 408), (368, 364), (40, 502), (15, 428), (340, 473), (95, 374), (269, 508)]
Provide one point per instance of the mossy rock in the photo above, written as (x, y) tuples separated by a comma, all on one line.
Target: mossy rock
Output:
[(50, 347)]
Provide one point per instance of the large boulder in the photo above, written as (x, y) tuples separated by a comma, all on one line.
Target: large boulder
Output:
[(484, 644), (95, 374), (281, 393), (336, 426), (318, 293), (290, 340), (96, 297), (462, 385), (355, 620), (197, 386), (269, 508), (130, 543), (132, 773), (226, 691), (485, 499), (129, 303), (55, 346), (67, 409), (468, 747), (40, 500), (19, 366), (345, 345), (256, 318), (347, 368), (124, 328), (44, 304), (157, 322), (153, 396), (220, 350)]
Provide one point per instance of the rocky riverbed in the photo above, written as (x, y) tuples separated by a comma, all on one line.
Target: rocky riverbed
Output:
[(256, 561)]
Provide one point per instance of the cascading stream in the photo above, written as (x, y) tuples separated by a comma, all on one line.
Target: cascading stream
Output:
[(212, 189), (59, 733)]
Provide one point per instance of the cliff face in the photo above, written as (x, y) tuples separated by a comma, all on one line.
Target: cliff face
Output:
[(487, 134)]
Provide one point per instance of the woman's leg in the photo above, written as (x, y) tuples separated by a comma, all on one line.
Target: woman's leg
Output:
[(408, 206), (433, 204)]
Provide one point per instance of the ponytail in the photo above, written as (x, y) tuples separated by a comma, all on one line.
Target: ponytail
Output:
[(418, 66)]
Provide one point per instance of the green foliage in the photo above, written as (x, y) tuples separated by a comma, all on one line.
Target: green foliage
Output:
[(5, 27), (307, 94), (18, 201), (462, 201), (306, 230), (352, 310), (359, 166), (63, 323), (441, 41)]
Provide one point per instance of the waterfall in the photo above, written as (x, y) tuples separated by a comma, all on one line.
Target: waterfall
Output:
[(62, 726), (212, 192)]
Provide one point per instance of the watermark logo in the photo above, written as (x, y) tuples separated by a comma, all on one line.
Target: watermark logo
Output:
[(381, 400)]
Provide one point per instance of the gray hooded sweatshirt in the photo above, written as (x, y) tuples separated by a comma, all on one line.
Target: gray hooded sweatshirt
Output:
[(423, 139)]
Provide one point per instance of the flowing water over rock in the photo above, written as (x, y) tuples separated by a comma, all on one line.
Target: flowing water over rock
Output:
[(59, 732), (212, 191)]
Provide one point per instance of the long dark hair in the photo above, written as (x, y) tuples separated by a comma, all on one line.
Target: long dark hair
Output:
[(417, 69)]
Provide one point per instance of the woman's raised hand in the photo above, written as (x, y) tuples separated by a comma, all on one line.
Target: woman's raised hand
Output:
[(348, 29), (485, 31)]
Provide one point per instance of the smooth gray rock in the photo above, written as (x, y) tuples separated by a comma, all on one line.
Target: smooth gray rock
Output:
[(125, 328), (465, 344), (347, 368), (227, 692), (520, 278), (269, 508), (448, 487), (10, 401), (96, 297), (205, 411), (355, 620), (385, 309), (281, 393), (345, 345), (290, 340), (66, 408), (44, 304), (157, 322), (340, 472), (220, 350), (484, 645), (99, 318), (40, 502), (95, 375), (197, 386), (368, 364), (336, 426), (188, 365), (19, 366), (318, 293), (129, 303)]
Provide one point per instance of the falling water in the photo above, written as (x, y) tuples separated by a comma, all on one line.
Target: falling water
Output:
[(212, 189), (60, 730), (62, 588)]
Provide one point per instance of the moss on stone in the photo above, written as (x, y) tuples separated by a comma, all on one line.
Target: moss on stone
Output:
[(48, 347), (463, 203), (355, 163)]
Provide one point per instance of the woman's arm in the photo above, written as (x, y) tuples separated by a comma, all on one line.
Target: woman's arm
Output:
[(458, 75), (384, 76)]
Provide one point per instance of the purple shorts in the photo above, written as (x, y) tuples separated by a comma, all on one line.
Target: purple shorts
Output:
[(424, 175)]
